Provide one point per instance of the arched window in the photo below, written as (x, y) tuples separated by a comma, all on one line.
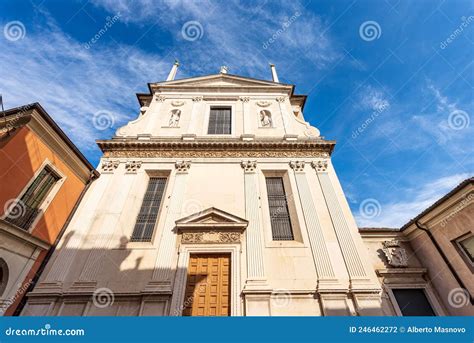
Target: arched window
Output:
[(3, 276)]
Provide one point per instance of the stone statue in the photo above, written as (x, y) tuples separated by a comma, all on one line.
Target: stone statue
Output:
[(174, 119), (265, 118)]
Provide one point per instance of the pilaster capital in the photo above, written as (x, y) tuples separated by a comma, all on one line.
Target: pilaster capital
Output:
[(244, 98), (182, 166), (297, 166), (320, 166), (249, 166), (132, 166), (197, 98), (281, 99), (109, 166), (159, 98)]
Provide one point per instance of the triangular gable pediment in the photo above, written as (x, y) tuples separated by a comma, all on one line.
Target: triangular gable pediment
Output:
[(221, 80), (212, 217)]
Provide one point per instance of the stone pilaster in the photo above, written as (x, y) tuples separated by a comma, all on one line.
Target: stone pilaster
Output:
[(164, 267), (245, 114), (350, 254), (197, 101), (283, 112), (151, 125), (255, 264), (319, 249)]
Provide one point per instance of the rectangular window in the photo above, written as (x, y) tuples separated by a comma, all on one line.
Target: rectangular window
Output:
[(220, 121), (148, 214), (413, 302), (278, 206), (27, 208), (466, 245)]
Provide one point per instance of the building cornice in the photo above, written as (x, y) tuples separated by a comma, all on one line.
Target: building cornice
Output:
[(216, 148)]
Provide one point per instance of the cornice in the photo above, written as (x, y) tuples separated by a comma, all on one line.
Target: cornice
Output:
[(216, 148)]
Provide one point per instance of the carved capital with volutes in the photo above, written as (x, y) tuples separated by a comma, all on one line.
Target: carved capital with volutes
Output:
[(132, 166), (197, 98), (249, 166), (244, 98), (109, 166), (160, 98), (182, 166), (281, 99), (320, 166), (297, 166)]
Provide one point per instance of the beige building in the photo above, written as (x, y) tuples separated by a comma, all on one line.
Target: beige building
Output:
[(426, 267), (219, 199)]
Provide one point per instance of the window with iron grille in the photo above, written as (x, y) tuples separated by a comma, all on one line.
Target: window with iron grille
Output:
[(27, 208), (220, 121), (148, 214), (278, 206)]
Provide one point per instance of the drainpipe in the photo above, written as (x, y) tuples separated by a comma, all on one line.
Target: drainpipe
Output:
[(445, 259), (93, 175)]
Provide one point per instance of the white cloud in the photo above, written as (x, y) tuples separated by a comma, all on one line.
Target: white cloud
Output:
[(411, 203), (72, 82)]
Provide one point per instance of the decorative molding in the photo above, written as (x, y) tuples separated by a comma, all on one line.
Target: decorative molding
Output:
[(160, 98), (132, 166), (396, 255), (197, 98), (210, 237), (109, 166), (244, 98), (320, 166), (177, 103), (249, 166), (297, 166), (281, 99), (211, 154), (182, 166), (263, 103)]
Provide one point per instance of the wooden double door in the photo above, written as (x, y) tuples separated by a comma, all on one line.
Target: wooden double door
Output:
[(208, 285)]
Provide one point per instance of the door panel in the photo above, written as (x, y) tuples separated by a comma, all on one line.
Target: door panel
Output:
[(208, 285)]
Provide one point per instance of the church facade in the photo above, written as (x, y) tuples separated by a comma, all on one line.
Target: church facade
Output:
[(219, 199)]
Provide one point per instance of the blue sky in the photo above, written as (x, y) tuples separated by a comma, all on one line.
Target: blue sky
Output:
[(391, 81)]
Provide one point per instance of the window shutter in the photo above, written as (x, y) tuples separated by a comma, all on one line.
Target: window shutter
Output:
[(27, 209), (279, 214), (148, 214)]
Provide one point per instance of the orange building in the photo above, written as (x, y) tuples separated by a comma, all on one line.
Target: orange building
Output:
[(42, 177)]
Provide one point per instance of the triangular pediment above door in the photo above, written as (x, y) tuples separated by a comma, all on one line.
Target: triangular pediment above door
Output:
[(212, 218)]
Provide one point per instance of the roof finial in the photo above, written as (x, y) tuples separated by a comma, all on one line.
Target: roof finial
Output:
[(224, 70), (274, 73), (173, 71)]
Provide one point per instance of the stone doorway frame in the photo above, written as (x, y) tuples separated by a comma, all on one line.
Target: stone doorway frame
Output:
[(185, 251)]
